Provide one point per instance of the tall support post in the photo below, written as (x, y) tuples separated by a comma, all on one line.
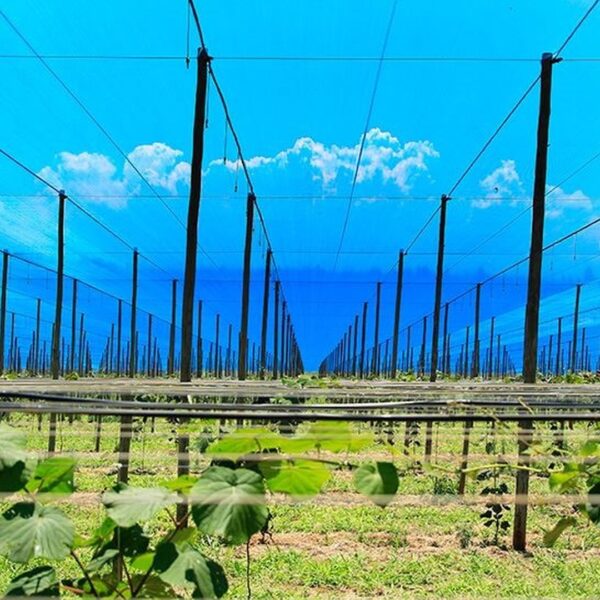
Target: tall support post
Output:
[(217, 355), (173, 325), (491, 363), (199, 357), (525, 433), (476, 341), (119, 334), (133, 330), (59, 286), (36, 345), (422, 355), (282, 364), (363, 339), (375, 364), (355, 346), (243, 340), (573, 365), (191, 247), (532, 311), (149, 347), (73, 326), (5, 256), (438, 289), (397, 307), (558, 345), (265, 316), (276, 331), (445, 344)]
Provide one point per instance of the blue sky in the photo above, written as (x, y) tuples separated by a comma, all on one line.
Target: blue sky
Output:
[(300, 123)]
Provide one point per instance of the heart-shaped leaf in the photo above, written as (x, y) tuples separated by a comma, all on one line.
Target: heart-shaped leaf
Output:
[(40, 582), (13, 459), (299, 478), (53, 475), (377, 480), (128, 505), (229, 503), (187, 568), (33, 530)]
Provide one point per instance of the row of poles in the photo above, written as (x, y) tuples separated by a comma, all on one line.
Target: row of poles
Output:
[(210, 358), (136, 356), (350, 355), (467, 358)]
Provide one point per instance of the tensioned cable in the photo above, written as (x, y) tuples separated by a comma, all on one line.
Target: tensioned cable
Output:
[(365, 130), (89, 114), (292, 58)]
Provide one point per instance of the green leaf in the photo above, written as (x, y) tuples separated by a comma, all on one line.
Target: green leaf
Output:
[(101, 535), (40, 582), (182, 485), (590, 448), (187, 568), (153, 587), (377, 480), (33, 530), (553, 534), (183, 536), (13, 459), (53, 475), (564, 480), (592, 508), (142, 562), (130, 541), (337, 436), (103, 559), (245, 441), (128, 505), (229, 503), (299, 478)]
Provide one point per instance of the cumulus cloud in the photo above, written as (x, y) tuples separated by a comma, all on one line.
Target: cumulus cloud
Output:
[(384, 156), (501, 182), (98, 178), (558, 201)]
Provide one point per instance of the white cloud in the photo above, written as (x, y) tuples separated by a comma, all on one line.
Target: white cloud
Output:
[(96, 177), (501, 182), (383, 156), (557, 201)]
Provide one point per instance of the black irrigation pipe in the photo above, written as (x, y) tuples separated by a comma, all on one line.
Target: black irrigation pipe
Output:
[(225, 406), (271, 416)]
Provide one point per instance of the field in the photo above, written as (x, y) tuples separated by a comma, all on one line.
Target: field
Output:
[(428, 541)]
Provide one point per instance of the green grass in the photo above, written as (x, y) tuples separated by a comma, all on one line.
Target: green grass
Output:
[(356, 550)]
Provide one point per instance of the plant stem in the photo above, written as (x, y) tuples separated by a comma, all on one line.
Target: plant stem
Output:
[(85, 574), (248, 588)]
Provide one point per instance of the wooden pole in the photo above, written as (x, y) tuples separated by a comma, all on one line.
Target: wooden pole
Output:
[(73, 326), (397, 307), (199, 352), (573, 365), (133, 330), (173, 325), (3, 293), (445, 344), (265, 316), (375, 364), (363, 339), (537, 226), (355, 346), (191, 248), (276, 332), (243, 339), (59, 286), (119, 335), (522, 486), (438, 289), (476, 342)]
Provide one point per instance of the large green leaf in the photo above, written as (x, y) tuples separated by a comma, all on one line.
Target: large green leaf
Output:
[(592, 507), (33, 530), (128, 505), (229, 503), (40, 582), (244, 441), (377, 480), (187, 568), (53, 475), (13, 459), (565, 480), (553, 534), (337, 436), (299, 478)]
